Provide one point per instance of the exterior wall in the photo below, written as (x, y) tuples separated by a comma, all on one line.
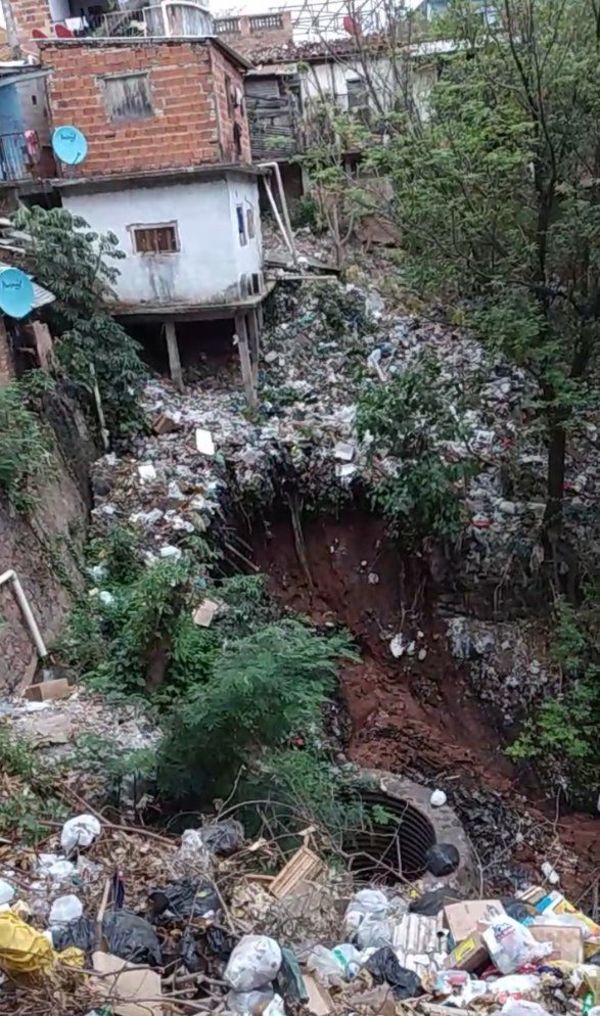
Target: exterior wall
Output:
[(188, 122), (34, 107), (22, 17), (207, 267), (330, 77), (223, 69)]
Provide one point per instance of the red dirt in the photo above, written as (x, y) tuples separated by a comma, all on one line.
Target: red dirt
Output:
[(406, 714)]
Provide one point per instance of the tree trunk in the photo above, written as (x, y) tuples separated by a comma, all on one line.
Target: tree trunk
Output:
[(557, 442)]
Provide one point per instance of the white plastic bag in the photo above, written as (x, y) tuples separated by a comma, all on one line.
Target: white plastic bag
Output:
[(254, 962), (64, 910), (375, 933), (7, 892), (522, 1007), (327, 968), (250, 1003), (275, 1007), (511, 945), (78, 832), (193, 852), (367, 901)]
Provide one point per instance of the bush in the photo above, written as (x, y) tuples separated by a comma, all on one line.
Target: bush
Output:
[(24, 448), (264, 688), (412, 417), (561, 736)]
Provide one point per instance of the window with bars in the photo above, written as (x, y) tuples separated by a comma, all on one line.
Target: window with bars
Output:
[(161, 238)]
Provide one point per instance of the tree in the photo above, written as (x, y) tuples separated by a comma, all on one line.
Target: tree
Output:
[(497, 195), (76, 265)]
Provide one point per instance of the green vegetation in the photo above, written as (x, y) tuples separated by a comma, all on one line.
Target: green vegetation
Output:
[(561, 737), (76, 265), (24, 447), (412, 416), (497, 201), (27, 800)]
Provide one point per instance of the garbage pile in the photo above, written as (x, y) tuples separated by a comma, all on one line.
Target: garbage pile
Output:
[(131, 922), (322, 338)]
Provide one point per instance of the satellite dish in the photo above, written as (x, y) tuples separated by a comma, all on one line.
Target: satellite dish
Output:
[(16, 292), (70, 145)]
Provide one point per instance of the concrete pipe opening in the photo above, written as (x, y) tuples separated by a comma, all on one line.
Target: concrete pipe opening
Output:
[(393, 849)]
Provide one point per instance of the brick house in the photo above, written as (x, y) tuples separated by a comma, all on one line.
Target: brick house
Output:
[(168, 169)]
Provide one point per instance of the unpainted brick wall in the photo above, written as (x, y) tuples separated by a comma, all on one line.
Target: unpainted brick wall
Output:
[(184, 130), (23, 17), (223, 69)]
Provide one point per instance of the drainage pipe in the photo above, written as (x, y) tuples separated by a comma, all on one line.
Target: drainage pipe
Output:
[(34, 631), (274, 167)]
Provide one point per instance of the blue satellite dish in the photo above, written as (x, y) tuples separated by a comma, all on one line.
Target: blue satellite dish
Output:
[(16, 292), (70, 145)]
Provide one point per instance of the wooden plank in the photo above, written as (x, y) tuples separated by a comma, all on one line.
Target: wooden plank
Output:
[(304, 866)]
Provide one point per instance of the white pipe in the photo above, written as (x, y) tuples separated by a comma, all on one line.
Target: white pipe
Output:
[(274, 167), (28, 617)]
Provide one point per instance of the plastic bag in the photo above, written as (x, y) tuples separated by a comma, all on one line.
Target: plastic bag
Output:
[(222, 837), (290, 982), (327, 968), (385, 966), (23, 950), (374, 933), (183, 900), (349, 959), (432, 902), (521, 1007), (125, 934), (250, 1003), (511, 945), (196, 947), (514, 987), (7, 892), (275, 1007), (367, 901), (254, 962), (64, 910), (79, 832), (193, 850), (442, 859)]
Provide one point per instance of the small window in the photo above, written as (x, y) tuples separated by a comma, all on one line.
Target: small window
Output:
[(357, 93), (127, 97), (250, 223), (241, 225), (34, 100), (237, 140), (160, 239)]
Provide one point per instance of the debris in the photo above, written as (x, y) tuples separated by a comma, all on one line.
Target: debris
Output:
[(250, 1003), (550, 873), (193, 851), (184, 900), (45, 690), (79, 832), (304, 866), (23, 950), (254, 962), (398, 646), (372, 902), (511, 945), (7, 892), (64, 910), (222, 838), (205, 613), (464, 918), (567, 942), (442, 859), (126, 935), (344, 451), (438, 798), (470, 954), (204, 442), (384, 966), (131, 991), (147, 471), (326, 966), (167, 423), (320, 1002)]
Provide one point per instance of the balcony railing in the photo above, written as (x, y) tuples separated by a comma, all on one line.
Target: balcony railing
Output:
[(19, 154), (167, 19)]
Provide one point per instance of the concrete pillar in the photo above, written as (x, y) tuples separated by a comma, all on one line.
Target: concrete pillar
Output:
[(173, 351), (241, 330)]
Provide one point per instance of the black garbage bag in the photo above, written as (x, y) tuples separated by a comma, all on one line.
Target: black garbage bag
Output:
[(223, 837), (385, 967), (442, 859), (198, 949), (183, 900), (595, 959), (432, 902), (124, 935)]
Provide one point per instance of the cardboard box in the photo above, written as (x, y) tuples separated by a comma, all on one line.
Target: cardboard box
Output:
[(555, 903), (464, 918), (567, 942), (470, 954), (48, 690)]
